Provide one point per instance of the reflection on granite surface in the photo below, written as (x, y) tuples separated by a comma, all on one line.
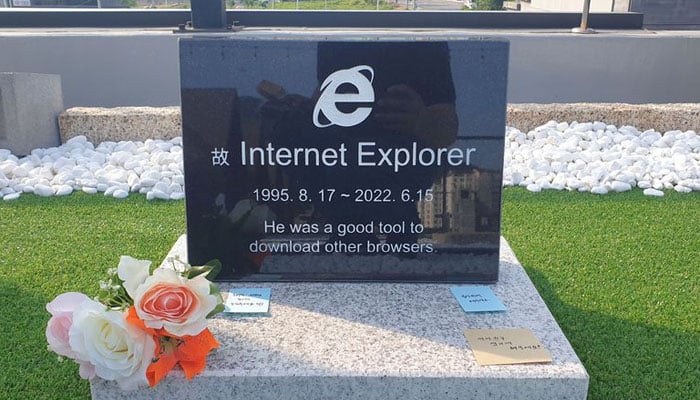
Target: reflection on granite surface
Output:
[(353, 160)]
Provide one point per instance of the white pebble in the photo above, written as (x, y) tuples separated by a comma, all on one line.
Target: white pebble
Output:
[(161, 187), (20, 172), (44, 190), (64, 190), (148, 182), (120, 194), (653, 192), (618, 186), (581, 156), (11, 196), (599, 190), (174, 188), (110, 190), (535, 188), (180, 179), (157, 194)]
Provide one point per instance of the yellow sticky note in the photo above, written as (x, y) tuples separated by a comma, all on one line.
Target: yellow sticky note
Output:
[(506, 346)]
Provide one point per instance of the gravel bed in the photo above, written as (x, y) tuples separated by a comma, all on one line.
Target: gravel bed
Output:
[(587, 157)]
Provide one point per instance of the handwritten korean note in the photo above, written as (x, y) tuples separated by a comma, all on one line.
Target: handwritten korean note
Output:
[(477, 299), (506, 346), (247, 301)]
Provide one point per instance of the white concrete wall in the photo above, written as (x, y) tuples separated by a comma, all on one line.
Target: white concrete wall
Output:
[(115, 68), (100, 69)]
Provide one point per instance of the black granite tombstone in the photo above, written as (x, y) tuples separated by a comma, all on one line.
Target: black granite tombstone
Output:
[(309, 158)]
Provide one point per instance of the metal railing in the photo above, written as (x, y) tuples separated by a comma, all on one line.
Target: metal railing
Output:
[(212, 14)]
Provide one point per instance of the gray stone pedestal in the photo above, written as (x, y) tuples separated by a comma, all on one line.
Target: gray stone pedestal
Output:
[(29, 109), (375, 341)]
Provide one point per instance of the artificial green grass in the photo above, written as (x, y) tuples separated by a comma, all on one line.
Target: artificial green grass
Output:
[(617, 271), (60, 244)]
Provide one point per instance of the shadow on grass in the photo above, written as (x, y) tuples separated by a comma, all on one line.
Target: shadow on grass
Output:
[(627, 360), (29, 370), (60, 244)]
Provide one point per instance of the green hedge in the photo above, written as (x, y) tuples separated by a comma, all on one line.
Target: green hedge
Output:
[(489, 4)]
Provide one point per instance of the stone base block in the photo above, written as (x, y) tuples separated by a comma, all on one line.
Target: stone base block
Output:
[(121, 123), (29, 107), (373, 341), (660, 117), (141, 123)]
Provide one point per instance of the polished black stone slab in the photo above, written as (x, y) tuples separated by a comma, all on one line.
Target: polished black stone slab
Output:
[(313, 158)]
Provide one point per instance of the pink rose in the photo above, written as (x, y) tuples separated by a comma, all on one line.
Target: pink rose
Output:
[(61, 310), (180, 305)]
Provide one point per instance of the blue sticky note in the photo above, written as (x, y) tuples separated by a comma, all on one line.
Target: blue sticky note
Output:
[(247, 301), (477, 299)]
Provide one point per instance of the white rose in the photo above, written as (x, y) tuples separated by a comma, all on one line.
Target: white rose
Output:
[(118, 350), (133, 272), (180, 305)]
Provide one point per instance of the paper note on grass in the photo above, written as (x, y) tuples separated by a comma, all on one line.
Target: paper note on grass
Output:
[(247, 301), (506, 346), (477, 299)]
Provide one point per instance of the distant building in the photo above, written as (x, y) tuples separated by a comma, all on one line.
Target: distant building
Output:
[(658, 14), (465, 203)]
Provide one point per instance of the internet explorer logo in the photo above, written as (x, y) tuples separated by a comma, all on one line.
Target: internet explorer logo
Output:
[(329, 98)]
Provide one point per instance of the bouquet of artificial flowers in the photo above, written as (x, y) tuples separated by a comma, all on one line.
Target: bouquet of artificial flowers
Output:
[(143, 323)]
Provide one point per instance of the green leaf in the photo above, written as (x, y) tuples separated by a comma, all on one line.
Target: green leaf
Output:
[(211, 269), (219, 308), (215, 269), (215, 291), (194, 272)]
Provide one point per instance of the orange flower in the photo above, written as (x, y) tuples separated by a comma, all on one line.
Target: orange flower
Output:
[(167, 299), (188, 351)]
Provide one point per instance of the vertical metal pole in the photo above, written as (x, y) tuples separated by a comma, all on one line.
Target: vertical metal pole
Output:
[(297, 4), (584, 14), (584, 19)]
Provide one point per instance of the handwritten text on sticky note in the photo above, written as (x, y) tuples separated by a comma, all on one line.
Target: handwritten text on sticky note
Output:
[(506, 346), (477, 299), (247, 301)]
